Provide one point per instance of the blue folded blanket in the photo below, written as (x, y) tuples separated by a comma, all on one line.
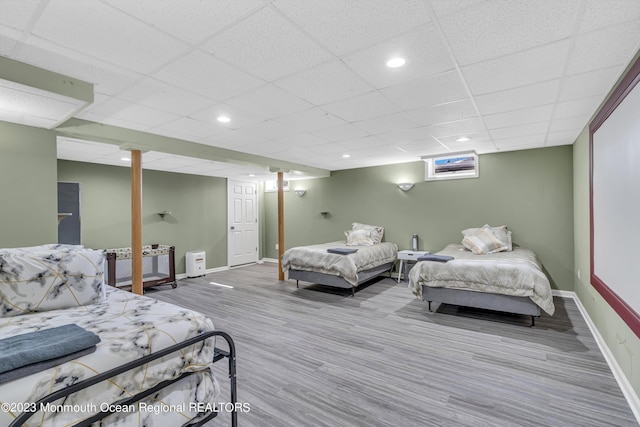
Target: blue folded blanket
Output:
[(34, 368), (342, 251), (47, 344), (437, 258)]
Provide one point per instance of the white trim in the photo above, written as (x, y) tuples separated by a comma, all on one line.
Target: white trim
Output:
[(273, 260), (207, 271), (627, 390)]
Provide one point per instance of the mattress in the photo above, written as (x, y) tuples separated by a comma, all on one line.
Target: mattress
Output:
[(316, 258), (130, 327), (516, 273)]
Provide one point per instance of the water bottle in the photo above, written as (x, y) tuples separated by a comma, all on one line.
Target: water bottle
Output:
[(414, 242)]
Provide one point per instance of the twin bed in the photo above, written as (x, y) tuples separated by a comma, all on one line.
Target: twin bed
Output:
[(485, 271), (342, 264), (151, 366), (507, 281)]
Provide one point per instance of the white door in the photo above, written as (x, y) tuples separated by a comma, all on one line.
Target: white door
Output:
[(243, 222)]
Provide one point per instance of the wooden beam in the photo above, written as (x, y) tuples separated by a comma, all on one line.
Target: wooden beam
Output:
[(280, 224), (136, 222)]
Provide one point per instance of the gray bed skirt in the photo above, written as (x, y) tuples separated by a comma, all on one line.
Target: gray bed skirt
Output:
[(497, 302), (337, 281)]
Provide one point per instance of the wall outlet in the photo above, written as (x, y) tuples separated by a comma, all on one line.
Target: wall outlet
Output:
[(277, 247), (578, 273)]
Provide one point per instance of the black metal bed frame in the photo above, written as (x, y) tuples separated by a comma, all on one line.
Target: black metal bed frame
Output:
[(218, 355)]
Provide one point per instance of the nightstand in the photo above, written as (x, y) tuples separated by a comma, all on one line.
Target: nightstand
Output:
[(406, 256)]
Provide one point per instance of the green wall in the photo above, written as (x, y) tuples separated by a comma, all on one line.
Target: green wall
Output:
[(621, 340), (28, 194), (198, 205), (530, 191)]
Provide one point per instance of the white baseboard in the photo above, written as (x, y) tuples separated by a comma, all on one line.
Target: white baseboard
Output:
[(207, 271), (272, 260), (621, 378)]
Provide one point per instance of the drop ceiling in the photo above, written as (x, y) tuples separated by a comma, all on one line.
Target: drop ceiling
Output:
[(305, 81)]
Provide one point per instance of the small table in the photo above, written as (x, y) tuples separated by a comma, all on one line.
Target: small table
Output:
[(408, 255)]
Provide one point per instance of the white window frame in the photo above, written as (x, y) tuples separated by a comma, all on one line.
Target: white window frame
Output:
[(434, 172), (272, 186)]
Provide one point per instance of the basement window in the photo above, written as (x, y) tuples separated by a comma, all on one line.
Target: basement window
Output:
[(452, 166), (272, 186)]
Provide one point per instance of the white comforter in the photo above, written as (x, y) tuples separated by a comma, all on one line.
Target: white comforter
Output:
[(130, 327), (316, 258), (516, 273)]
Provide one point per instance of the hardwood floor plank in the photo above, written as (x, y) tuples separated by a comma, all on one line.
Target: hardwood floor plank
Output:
[(315, 356)]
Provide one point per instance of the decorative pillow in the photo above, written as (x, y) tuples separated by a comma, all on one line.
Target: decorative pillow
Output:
[(376, 231), (359, 237), (501, 233), (42, 280), (483, 241)]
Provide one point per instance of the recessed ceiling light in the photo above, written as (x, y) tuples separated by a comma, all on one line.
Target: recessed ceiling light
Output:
[(223, 119), (252, 175), (346, 156), (396, 62), (125, 159), (463, 139)]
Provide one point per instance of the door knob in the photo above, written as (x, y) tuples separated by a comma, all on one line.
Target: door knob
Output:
[(232, 227)]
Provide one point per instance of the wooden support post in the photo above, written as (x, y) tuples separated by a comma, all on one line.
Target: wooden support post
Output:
[(280, 224), (136, 222)]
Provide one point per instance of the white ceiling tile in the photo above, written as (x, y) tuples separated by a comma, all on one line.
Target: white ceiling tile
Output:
[(577, 107), (301, 140), (520, 131), (161, 96), (389, 123), (519, 98), (519, 117), (239, 117), (329, 82), (310, 120), (599, 14), (232, 139), (447, 7), (268, 46), (191, 20), (269, 129), (420, 147), (204, 74), (361, 107), (346, 26), (461, 127), (497, 28), (575, 124), (592, 83), (17, 14), (415, 134), (190, 127), (425, 52), (130, 44), (480, 147), (520, 69), (134, 113), (520, 143), (445, 87), (605, 48), (339, 133), (449, 112), (269, 101), (330, 148), (361, 143), (564, 137)]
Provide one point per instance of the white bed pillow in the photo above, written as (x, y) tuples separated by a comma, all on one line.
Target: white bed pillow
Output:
[(483, 241), (36, 280), (360, 237), (502, 233), (376, 231)]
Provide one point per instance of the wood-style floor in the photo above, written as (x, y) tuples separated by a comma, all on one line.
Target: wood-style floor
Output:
[(315, 356)]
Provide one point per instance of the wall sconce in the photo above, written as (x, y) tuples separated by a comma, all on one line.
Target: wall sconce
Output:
[(405, 186), (300, 193)]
